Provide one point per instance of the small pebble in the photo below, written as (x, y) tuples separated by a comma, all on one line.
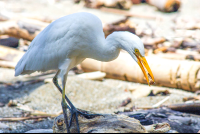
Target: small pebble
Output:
[(40, 131), (3, 126), (172, 131)]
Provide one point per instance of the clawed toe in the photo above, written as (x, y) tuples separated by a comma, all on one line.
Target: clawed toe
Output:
[(87, 115)]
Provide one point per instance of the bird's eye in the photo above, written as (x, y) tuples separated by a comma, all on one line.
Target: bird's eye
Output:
[(136, 50)]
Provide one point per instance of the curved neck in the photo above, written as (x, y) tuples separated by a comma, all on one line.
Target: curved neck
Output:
[(107, 49)]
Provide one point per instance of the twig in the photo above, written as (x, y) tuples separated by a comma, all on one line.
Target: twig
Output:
[(22, 118), (35, 112), (161, 102), (43, 114)]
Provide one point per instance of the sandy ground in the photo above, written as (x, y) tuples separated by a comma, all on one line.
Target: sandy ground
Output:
[(97, 96), (101, 97)]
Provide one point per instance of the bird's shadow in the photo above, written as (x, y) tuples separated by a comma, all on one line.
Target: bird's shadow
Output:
[(8, 93)]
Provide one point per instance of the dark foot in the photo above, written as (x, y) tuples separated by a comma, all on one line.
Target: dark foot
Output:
[(74, 114), (64, 107), (87, 115)]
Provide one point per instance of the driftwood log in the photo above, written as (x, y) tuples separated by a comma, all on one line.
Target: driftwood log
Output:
[(108, 123), (166, 5), (25, 28), (9, 56), (178, 121), (186, 107), (170, 73), (121, 4)]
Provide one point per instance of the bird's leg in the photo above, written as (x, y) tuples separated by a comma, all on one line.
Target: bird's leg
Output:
[(63, 103), (55, 81), (64, 107), (73, 110)]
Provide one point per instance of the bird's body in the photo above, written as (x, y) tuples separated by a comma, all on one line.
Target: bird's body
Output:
[(67, 41), (60, 41)]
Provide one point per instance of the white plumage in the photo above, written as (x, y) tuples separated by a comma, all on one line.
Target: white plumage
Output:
[(67, 41)]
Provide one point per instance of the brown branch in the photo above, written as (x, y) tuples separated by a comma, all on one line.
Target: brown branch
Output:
[(22, 118), (186, 107), (21, 29)]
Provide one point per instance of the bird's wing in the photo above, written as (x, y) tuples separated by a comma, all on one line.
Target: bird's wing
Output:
[(48, 48), (66, 37)]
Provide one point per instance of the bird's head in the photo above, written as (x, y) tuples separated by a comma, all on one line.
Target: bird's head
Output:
[(134, 46)]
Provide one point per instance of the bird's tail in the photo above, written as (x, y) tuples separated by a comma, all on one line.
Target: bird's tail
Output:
[(19, 67)]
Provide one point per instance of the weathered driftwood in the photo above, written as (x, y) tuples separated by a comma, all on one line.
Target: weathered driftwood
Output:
[(25, 28), (158, 128), (194, 98), (101, 124), (93, 75), (109, 123), (121, 4), (9, 56), (170, 73), (186, 107), (7, 64), (166, 5), (178, 121)]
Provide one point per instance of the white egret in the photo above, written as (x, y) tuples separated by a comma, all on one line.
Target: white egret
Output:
[(67, 41)]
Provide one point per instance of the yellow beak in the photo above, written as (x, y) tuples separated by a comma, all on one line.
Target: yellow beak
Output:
[(142, 62)]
